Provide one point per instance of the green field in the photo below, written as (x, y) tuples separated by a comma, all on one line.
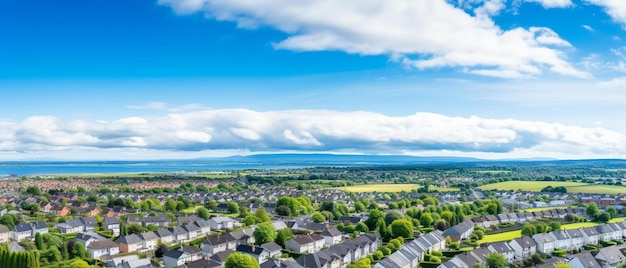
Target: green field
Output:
[(506, 236), (572, 187), (191, 209), (542, 209), (617, 220), (390, 188)]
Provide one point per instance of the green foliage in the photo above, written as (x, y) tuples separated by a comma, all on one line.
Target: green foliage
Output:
[(240, 260), (318, 217), (529, 229), (372, 219), (361, 227), (289, 202), (401, 227), (495, 260), (264, 233), (262, 215), (203, 213), (283, 235), (555, 226), (79, 264)]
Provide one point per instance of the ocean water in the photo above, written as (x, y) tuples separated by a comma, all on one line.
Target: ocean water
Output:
[(55, 168)]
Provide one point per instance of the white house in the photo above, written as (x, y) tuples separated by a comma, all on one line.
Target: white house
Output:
[(577, 238), (561, 240), (4, 234), (223, 223), (524, 247), (104, 247), (178, 257), (332, 236), (545, 242), (590, 235), (504, 249)]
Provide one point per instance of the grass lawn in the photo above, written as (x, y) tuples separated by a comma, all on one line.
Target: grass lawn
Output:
[(542, 209), (572, 187), (191, 210), (617, 220), (506, 236), (389, 188)]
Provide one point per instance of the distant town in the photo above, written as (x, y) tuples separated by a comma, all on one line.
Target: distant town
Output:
[(436, 214)]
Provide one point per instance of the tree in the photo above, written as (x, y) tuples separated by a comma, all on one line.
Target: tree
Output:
[(361, 227), (80, 251), (359, 206), (232, 207), (441, 225), (612, 211), (39, 241), (79, 264), (318, 217), (529, 229), (262, 215), (401, 227), (372, 219), (53, 254), (592, 210), (264, 233), (426, 219), (283, 235), (293, 205), (135, 228), (203, 213), (604, 217), (495, 260), (283, 210), (555, 226), (392, 216), (170, 204), (161, 249), (240, 260)]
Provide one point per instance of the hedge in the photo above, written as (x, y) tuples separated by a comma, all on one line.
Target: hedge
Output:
[(429, 264)]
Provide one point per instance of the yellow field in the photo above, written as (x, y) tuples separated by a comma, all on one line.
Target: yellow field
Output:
[(572, 187), (542, 209), (617, 220), (389, 188)]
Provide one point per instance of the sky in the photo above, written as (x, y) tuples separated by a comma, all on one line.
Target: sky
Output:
[(163, 79)]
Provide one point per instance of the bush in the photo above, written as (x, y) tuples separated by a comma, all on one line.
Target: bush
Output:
[(559, 252), (428, 264), (590, 247), (453, 245), (434, 259)]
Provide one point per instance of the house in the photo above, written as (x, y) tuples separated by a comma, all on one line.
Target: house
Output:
[(205, 226), (103, 247), (524, 247), (71, 226), (193, 231), (149, 240), (610, 257), (165, 235), (22, 231), (161, 221), (129, 243), (351, 219), (113, 224), (283, 263), (545, 243), (179, 234), (222, 207), (244, 237), (180, 256), (331, 236), (260, 254), (221, 257), (305, 244), (607, 233), (223, 223), (4, 233), (275, 250), (584, 260), (561, 239), (504, 249), (217, 244), (590, 235), (577, 238), (87, 238), (460, 231)]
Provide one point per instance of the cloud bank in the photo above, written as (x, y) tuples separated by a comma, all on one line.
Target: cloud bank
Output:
[(424, 34), (307, 131)]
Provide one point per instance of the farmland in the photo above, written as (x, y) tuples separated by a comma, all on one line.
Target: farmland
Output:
[(390, 188), (572, 187)]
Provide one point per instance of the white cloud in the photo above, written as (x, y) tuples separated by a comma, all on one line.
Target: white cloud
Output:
[(308, 131), (422, 34), (552, 3), (588, 28), (615, 8)]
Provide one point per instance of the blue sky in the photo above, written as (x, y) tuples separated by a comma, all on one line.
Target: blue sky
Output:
[(140, 79)]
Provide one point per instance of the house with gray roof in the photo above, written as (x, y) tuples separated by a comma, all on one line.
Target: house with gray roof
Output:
[(584, 260), (610, 256)]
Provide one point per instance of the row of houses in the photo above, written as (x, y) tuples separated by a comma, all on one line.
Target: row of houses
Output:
[(521, 217), (577, 238), (173, 235), (342, 254), (411, 253), (23, 231)]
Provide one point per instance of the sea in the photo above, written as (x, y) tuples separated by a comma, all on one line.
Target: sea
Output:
[(17, 169)]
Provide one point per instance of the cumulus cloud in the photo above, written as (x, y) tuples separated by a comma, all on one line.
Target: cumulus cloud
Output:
[(308, 131), (552, 3), (421, 34), (615, 8)]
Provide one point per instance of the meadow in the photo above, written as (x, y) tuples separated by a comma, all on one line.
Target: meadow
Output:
[(390, 188), (572, 187)]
